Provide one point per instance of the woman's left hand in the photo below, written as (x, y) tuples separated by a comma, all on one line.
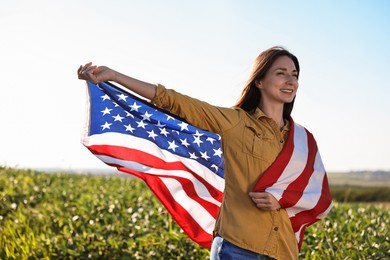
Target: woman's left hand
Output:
[(264, 201)]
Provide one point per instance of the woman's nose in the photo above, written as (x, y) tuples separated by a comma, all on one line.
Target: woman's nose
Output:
[(292, 80)]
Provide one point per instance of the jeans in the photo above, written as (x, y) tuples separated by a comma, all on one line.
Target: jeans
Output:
[(224, 250)]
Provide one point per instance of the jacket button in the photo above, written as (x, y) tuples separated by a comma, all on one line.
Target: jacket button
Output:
[(276, 228)]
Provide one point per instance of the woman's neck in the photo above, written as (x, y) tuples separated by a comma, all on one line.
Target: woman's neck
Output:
[(274, 112)]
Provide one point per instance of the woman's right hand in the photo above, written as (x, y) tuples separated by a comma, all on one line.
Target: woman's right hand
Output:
[(95, 74)]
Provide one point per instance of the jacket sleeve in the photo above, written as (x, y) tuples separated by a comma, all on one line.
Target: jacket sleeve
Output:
[(196, 112)]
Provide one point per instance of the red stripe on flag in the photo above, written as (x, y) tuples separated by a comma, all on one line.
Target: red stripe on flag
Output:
[(277, 167), (130, 154)]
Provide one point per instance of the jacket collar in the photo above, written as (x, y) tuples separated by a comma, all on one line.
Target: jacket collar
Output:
[(259, 114)]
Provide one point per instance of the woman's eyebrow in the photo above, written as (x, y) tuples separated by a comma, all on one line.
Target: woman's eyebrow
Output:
[(284, 69)]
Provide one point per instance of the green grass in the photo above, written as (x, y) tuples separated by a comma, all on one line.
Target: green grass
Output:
[(46, 216)]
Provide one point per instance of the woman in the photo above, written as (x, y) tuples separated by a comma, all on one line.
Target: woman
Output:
[(251, 224)]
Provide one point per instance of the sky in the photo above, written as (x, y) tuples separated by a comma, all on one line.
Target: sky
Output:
[(201, 48)]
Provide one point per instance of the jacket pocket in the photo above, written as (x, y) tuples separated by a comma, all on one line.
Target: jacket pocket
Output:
[(255, 141)]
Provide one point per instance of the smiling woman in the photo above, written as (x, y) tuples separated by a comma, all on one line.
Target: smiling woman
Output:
[(278, 87), (282, 62), (275, 182)]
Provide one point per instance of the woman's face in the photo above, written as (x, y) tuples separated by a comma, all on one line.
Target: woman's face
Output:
[(280, 83)]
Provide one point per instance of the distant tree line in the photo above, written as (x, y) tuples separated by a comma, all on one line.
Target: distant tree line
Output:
[(360, 194)]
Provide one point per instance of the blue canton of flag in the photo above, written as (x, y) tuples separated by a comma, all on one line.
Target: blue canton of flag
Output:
[(117, 111)]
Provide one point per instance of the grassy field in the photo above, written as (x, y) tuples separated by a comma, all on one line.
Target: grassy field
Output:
[(50, 216)]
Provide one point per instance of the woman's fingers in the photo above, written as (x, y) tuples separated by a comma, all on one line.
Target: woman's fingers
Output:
[(89, 71), (86, 72), (80, 72), (264, 200)]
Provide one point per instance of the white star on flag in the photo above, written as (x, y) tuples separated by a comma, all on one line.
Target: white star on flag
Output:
[(183, 126), (118, 118), (146, 116), (106, 111), (122, 97), (172, 145), (134, 107), (106, 126)]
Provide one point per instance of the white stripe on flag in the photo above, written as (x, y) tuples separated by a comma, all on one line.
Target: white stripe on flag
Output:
[(296, 164), (298, 233), (127, 164), (198, 213)]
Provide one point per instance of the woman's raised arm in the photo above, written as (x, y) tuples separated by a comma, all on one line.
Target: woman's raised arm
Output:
[(96, 74)]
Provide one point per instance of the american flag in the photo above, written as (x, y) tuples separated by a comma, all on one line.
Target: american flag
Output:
[(181, 164)]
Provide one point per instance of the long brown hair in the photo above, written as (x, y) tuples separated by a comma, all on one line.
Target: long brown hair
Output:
[(251, 95)]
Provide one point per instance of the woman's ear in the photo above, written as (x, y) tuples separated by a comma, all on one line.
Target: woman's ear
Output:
[(258, 84)]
